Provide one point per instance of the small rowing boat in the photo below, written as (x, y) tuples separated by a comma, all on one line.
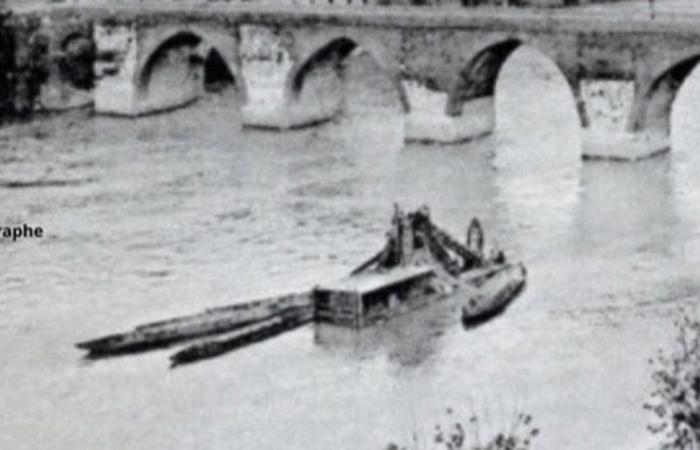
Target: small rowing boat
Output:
[(494, 293)]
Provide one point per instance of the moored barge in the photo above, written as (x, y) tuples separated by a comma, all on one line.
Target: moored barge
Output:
[(419, 264)]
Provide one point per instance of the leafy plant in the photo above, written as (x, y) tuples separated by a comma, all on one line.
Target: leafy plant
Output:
[(457, 435), (675, 401)]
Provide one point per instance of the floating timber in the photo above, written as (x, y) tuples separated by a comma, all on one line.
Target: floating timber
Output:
[(212, 321), (226, 342), (419, 264)]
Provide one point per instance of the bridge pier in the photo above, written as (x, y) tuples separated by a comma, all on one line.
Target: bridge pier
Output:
[(271, 104), (286, 116), (477, 120), (284, 90), (608, 108), (625, 146), (131, 82), (428, 121), (115, 68)]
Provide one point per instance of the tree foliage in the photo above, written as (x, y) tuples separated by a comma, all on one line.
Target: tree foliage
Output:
[(675, 401), (457, 435)]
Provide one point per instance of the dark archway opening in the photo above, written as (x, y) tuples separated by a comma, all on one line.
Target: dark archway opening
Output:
[(329, 56), (478, 79), (179, 47), (680, 71), (77, 62), (7, 67), (217, 75), (662, 95), (366, 83)]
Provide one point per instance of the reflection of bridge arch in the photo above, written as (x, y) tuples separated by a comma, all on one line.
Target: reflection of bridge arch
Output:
[(197, 45), (330, 53)]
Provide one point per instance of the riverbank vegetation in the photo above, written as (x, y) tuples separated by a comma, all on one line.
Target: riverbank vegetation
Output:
[(456, 434), (675, 400)]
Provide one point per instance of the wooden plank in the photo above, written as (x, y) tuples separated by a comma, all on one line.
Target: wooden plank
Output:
[(257, 332), (212, 321), (368, 282)]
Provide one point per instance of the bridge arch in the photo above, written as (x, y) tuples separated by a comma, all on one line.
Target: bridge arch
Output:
[(478, 77), (196, 47), (652, 109), (330, 53)]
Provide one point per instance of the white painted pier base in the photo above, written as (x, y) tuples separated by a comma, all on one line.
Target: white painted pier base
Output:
[(608, 105), (271, 105), (287, 116), (124, 99), (427, 121), (173, 79), (266, 66), (624, 146), (115, 92), (477, 120)]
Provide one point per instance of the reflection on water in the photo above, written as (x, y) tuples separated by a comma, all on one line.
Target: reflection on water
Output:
[(169, 214), (612, 216), (407, 340)]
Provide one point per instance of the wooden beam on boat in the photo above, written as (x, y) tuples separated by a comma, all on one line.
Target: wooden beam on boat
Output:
[(367, 264)]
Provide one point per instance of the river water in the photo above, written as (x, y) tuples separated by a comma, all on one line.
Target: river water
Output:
[(169, 214)]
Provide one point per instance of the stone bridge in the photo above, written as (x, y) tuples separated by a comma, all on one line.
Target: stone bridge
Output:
[(288, 64)]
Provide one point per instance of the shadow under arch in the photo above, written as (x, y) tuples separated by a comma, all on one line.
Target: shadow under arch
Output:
[(217, 75), (653, 108), (76, 64), (331, 55), (202, 46), (479, 77), (684, 134), (179, 40)]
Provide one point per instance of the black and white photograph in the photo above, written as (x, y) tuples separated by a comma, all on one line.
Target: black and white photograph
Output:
[(350, 224)]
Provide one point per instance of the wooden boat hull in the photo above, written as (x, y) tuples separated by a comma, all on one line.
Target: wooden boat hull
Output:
[(250, 334), (212, 321), (494, 294)]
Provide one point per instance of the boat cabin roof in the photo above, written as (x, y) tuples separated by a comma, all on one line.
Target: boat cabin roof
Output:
[(369, 282)]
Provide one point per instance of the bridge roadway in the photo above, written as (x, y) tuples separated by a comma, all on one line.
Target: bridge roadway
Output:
[(624, 70), (616, 16)]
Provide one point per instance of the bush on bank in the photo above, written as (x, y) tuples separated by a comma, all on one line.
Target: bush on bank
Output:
[(457, 435), (675, 400)]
